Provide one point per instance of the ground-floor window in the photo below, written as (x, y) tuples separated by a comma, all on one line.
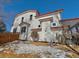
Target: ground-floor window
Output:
[(23, 29), (14, 30)]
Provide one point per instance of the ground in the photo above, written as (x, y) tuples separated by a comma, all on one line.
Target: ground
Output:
[(29, 49)]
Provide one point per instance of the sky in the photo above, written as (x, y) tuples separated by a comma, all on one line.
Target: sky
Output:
[(9, 8)]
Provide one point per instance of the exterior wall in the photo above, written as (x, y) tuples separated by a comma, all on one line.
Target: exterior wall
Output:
[(74, 30), (71, 23), (55, 20), (35, 24), (47, 34), (18, 19), (45, 29)]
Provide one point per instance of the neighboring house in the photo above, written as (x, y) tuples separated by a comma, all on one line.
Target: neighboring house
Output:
[(73, 24), (2, 26), (36, 27)]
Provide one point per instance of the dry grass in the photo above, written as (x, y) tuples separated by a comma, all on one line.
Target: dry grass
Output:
[(72, 55), (10, 54), (63, 47), (76, 47)]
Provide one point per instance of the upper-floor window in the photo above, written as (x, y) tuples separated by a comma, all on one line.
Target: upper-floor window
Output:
[(22, 19), (14, 30), (31, 16), (39, 25), (54, 24), (23, 29)]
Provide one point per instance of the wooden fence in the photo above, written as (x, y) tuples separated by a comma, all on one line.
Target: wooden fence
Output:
[(8, 37)]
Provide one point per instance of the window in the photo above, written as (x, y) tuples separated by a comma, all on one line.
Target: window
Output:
[(23, 29), (22, 19), (54, 24), (31, 17), (39, 25), (14, 30)]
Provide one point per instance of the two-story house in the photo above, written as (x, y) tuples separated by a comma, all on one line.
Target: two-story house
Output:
[(38, 27)]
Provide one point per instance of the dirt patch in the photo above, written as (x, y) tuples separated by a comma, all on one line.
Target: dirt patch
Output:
[(40, 43)]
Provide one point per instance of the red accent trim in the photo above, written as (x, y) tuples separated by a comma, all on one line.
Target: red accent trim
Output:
[(65, 26), (37, 13), (46, 19), (37, 29), (56, 28), (72, 19), (42, 15)]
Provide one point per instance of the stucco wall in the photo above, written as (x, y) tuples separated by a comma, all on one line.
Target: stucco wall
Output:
[(47, 34), (18, 19)]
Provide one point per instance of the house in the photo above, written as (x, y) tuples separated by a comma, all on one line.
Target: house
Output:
[(38, 27), (73, 24), (44, 27)]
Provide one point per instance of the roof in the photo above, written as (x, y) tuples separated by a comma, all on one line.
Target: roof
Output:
[(38, 14), (49, 13), (71, 19)]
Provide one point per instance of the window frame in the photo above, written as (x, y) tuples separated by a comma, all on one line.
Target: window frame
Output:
[(54, 24), (23, 29), (22, 19), (14, 30), (31, 16)]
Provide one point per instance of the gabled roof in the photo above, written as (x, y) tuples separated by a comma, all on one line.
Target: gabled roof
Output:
[(67, 20), (49, 13), (37, 13), (40, 15)]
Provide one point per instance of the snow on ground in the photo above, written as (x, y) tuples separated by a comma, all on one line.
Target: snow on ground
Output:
[(42, 51)]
